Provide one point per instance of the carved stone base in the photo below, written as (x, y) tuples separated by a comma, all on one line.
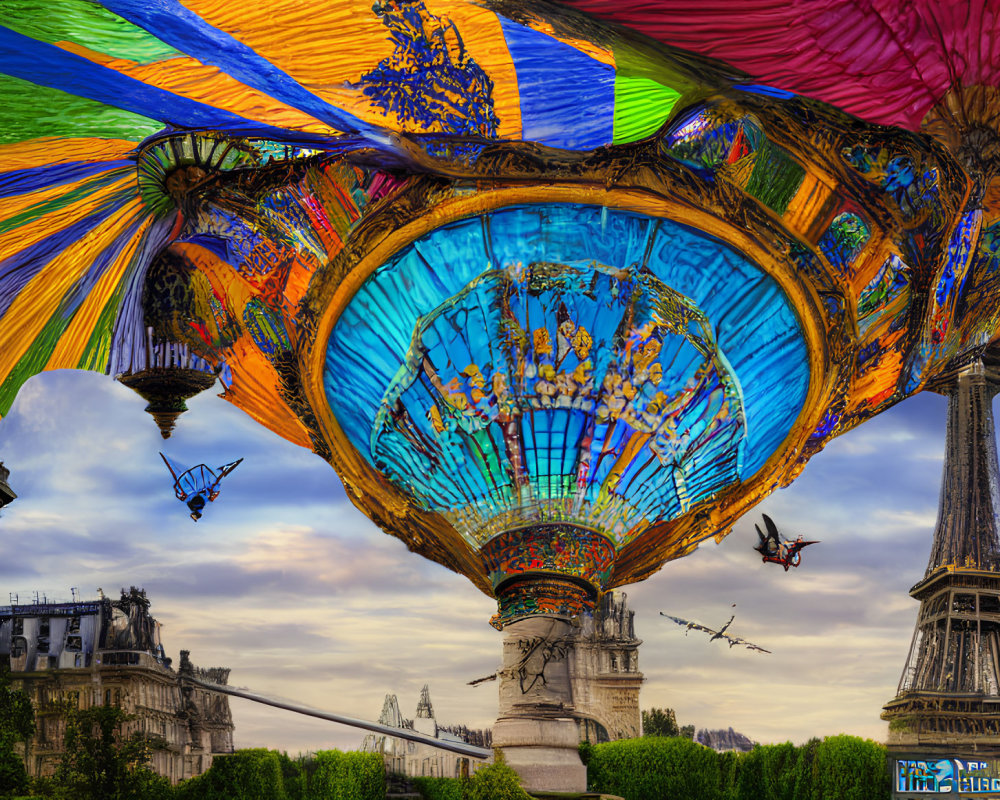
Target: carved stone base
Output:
[(543, 752), (535, 729)]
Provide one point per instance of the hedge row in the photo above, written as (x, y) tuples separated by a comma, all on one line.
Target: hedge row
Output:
[(438, 788), (837, 768), (347, 776), (268, 775)]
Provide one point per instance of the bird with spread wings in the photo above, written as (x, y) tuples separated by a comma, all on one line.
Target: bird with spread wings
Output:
[(716, 634), (776, 549), (197, 485)]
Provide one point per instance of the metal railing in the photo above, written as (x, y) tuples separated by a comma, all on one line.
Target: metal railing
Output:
[(461, 748)]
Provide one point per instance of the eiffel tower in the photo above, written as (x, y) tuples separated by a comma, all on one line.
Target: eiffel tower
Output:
[(948, 700)]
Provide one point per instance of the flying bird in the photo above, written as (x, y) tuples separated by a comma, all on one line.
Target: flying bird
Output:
[(776, 549), (716, 634), (198, 485)]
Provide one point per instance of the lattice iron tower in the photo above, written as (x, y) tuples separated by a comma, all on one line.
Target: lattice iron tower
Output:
[(949, 694)]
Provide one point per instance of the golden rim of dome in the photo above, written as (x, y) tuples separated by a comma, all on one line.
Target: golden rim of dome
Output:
[(390, 508)]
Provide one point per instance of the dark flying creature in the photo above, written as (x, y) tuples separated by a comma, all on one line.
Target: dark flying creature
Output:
[(775, 549), (716, 634), (198, 485)]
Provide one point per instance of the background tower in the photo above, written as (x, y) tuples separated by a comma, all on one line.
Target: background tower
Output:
[(949, 694)]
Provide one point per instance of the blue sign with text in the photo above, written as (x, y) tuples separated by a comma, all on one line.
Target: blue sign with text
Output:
[(944, 776)]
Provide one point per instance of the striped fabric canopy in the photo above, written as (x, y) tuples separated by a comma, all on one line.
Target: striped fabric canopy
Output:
[(83, 85)]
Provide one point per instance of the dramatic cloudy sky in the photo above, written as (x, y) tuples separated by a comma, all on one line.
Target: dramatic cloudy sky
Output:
[(296, 591)]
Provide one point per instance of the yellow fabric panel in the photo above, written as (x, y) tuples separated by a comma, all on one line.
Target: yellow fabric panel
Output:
[(85, 52), (323, 46), (42, 152), (255, 391), (72, 343), (189, 78), (328, 47), (20, 238), (604, 55), (255, 388), (33, 306), (296, 284), (483, 38)]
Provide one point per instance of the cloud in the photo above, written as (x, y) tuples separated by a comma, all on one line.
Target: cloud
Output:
[(289, 585)]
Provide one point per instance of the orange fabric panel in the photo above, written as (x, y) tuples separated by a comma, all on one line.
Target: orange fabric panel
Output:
[(43, 152)]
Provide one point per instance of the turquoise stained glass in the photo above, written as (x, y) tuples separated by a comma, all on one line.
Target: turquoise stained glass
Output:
[(566, 362)]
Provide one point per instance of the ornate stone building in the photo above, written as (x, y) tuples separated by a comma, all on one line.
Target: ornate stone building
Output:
[(108, 652), (604, 673), (6, 493), (414, 758)]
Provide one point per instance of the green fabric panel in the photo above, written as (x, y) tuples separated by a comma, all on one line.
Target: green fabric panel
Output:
[(30, 111), (649, 86), (33, 361), (85, 23), (776, 177), (642, 105), (39, 210), (95, 354)]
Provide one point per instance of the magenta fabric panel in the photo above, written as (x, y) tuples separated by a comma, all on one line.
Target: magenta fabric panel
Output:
[(886, 61)]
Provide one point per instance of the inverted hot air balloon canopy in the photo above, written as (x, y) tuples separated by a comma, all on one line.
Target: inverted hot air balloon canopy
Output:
[(557, 301)]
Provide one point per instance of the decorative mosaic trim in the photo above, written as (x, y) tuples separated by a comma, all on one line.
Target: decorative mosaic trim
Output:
[(566, 549), (541, 595)]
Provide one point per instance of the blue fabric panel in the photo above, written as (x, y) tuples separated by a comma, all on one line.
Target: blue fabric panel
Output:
[(22, 181), (181, 28), (567, 97)]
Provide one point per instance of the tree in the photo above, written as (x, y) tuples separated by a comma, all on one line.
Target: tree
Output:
[(660, 722), (498, 781), (17, 724), (102, 762)]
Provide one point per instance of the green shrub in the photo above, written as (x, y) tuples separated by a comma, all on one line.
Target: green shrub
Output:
[(850, 768), (654, 769), (497, 781), (439, 788), (293, 776), (803, 772), (768, 773), (364, 777), (328, 768), (13, 776), (243, 775), (751, 783), (347, 776), (729, 770)]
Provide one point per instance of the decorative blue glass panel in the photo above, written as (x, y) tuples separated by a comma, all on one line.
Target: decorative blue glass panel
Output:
[(566, 362)]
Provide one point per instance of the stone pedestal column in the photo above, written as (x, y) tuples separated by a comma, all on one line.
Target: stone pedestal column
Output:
[(538, 737)]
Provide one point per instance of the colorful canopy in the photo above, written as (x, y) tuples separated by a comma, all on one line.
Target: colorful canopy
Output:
[(557, 301)]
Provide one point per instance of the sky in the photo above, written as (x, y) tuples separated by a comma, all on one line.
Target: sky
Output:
[(296, 591)]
